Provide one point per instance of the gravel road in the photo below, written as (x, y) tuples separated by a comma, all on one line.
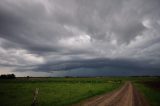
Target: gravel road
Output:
[(127, 95)]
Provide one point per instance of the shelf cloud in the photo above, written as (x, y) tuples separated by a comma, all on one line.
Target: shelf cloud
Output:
[(46, 37)]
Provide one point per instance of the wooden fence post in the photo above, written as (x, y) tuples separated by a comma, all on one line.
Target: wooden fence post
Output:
[(35, 95)]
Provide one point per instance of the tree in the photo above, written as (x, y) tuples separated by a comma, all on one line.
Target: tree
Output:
[(7, 76)]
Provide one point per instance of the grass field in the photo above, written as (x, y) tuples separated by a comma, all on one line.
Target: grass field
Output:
[(67, 91), (53, 91), (151, 90)]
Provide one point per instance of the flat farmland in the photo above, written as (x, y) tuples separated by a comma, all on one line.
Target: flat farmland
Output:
[(53, 91), (97, 91)]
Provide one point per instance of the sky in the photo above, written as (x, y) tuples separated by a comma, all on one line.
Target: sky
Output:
[(80, 37)]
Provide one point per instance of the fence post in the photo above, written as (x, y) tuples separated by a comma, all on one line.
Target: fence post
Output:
[(35, 95)]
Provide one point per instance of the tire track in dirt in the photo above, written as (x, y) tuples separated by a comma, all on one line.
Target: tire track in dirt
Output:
[(127, 95)]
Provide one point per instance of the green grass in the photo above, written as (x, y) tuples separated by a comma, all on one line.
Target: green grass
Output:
[(151, 93), (67, 91), (53, 91)]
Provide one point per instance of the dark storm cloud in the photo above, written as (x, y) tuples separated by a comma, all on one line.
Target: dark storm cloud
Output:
[(96, 67), (44, 35), (95, 64)]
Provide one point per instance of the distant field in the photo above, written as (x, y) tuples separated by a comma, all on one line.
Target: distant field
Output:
[(67, 91), (53, 91)]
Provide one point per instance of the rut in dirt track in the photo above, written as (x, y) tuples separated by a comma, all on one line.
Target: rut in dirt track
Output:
[(127, 95)]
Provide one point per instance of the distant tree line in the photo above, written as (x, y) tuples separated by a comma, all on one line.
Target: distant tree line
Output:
[(7, 76)]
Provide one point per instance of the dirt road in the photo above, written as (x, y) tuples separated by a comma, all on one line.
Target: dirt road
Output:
[(127, 95)]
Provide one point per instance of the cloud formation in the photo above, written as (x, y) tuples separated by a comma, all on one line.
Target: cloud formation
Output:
[(57, 35)]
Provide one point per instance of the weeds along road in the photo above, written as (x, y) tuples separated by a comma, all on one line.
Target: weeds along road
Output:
[(127, 95)]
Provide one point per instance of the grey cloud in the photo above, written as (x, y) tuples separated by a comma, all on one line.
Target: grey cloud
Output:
[(63, 35), (96, 67)]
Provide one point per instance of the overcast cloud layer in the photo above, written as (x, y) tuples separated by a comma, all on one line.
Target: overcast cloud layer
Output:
[(80, 37)]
